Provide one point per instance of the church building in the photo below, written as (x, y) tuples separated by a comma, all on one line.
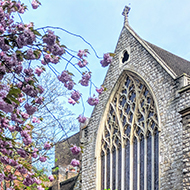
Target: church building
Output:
[(138, 136)]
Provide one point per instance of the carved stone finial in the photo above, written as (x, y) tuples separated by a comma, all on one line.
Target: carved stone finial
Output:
[(125, 14)]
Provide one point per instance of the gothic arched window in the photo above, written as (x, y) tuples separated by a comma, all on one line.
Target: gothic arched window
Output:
[(130, 140)]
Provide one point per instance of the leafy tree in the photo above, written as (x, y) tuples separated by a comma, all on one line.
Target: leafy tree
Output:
[(26, 133)]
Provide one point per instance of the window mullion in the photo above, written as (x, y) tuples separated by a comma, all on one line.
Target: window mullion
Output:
[(123, 169), (138, 164), (131, 165), (145, 163), (111, 164), (153, 162), (117, 168), (105, 173)]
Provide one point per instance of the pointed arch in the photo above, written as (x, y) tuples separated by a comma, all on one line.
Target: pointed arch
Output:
[(129, 127)]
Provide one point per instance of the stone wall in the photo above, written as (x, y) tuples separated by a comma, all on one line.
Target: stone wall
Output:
[(64, 156), (165, 89)]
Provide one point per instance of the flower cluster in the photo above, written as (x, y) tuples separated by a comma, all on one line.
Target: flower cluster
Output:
[(106, 60), (66, 79), (75, 150), (82, 63), (85, 79), (82, 53), (75, 96), (75, 162), (20, 97), (81, 119), (100, 90), (93, 101), (47, 146)]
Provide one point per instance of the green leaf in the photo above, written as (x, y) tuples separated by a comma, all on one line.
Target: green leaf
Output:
[(7, 100), (63, 46), (70, 73), (6, 41), (112, 54), (36, 32), (14, 91), (37, 53), (14, 100), (56, 160)]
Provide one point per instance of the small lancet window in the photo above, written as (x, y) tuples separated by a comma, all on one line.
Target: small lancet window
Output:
[(125, 57)]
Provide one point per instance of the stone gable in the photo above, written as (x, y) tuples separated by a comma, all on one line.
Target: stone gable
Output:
[(169, 101)]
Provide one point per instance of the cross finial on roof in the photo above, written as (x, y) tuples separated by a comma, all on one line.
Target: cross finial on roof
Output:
[(125, 14)]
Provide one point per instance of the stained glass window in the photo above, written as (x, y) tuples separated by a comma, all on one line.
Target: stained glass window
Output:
[(130, 139)]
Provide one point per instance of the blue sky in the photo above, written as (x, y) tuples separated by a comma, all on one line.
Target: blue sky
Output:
[(163, 23)]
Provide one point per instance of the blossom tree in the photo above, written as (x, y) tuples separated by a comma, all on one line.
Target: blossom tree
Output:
[(26, 53)]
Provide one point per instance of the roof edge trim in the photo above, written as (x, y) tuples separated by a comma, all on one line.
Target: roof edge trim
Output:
[(152, 52)]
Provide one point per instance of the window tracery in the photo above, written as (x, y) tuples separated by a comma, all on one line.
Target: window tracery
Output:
[(130, 139)]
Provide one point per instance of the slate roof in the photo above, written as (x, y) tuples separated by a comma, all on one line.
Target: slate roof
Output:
[(68, 184), (176, 63)]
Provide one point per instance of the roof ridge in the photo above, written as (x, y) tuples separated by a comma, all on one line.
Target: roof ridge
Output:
[(167, 51), (174, 65)]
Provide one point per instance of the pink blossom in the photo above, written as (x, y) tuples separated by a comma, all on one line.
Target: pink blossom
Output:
[(49, 38), (22, 153), (20, 100), (64, 77), (11, 128), (100, 90), (28, 180), (4, 159), (37, 181), (24, 133), (42, 158), (55, 60), (34, 155), (82, 63), (75, 150), (30, 54), (21, 169), (2, 177), (35, 4), (82, 53), (93, 101), (27, 141), (106, 60), (75, 162), (40, 187), (47, 58), (85, 79), (40, 88), (35, 120), (28, 127), (71, 101), (24, 115), (47, 146), (30, 109), (5, 106), (39, 100), (75, 95), (13, 162), (43, 62), (51, 178), (28, 72), (38, 71), (35, 150), (81, 119)]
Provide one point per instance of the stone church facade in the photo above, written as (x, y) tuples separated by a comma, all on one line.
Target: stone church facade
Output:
[(138, 136)]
